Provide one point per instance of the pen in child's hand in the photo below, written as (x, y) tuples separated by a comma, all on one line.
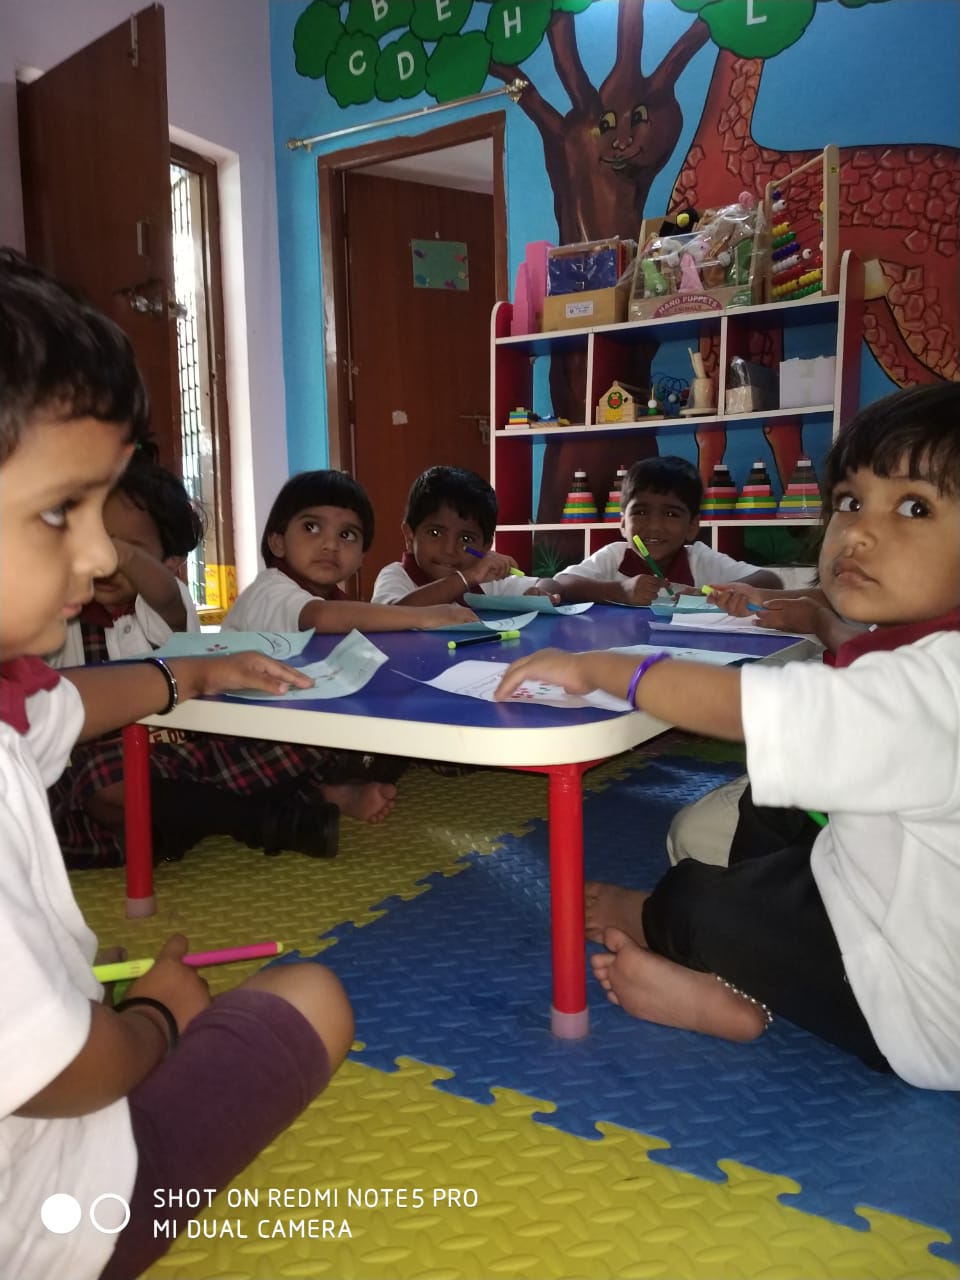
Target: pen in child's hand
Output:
[(124, 970), (641, 546), (492, 638), (751, 607), (472, 551)]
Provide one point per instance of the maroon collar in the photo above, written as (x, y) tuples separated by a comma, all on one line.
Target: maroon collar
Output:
[(332, 593), (101, 615), (678, 570), (421, 579), (884, 638), (19, 678)]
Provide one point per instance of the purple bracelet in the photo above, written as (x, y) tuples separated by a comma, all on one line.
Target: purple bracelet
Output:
[(641, 671)]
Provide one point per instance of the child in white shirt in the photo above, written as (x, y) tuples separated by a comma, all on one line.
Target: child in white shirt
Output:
[(660, 500), (852, 933), (448, 530), (169, 1089)]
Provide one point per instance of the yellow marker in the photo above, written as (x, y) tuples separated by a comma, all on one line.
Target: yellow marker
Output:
[(642, 548)]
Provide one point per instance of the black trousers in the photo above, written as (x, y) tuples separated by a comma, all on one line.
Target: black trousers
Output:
[(760, 923)]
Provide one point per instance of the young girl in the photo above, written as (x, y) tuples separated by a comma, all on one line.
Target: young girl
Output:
[(169, 1089), (853, 933), (202, 784)]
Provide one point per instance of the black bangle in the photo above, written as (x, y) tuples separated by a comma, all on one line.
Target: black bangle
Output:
[(173, 689), (147, 1002)]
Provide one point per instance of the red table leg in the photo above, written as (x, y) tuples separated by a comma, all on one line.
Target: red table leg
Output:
[(568, 1015), (139, 841)]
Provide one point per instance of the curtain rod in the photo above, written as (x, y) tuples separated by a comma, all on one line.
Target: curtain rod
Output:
[(513, 90)]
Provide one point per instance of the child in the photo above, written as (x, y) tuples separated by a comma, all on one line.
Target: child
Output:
[(316, 533), (448, 530), (203, 784), (852, 934), (98, 1101), (660, 500)]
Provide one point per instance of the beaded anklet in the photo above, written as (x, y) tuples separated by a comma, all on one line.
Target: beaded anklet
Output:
[(737, 992)]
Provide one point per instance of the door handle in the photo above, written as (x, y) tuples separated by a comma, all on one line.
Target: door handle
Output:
[(145, 304)]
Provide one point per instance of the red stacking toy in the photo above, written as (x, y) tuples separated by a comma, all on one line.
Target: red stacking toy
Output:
[(757, 502), (580, 507)]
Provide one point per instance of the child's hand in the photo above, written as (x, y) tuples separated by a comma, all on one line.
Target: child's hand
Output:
[(442, 615), (798, 613), (733, 597), (552, 666), (552, 596), (239, 671), (491, 568), (174, 983), (126, 551), (642, 589)]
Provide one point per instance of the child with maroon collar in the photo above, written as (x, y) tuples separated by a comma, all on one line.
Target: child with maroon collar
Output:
[(105, 1104), (851, 932), (448, 530), (315, 537), (660, 500)]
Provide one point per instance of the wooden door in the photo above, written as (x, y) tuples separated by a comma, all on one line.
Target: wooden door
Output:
[(419, 356), (95, 156)]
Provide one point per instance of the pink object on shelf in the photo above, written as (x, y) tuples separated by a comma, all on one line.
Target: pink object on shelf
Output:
[(522, 320)]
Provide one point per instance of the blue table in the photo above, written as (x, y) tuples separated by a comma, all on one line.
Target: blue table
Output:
[(395, 715)]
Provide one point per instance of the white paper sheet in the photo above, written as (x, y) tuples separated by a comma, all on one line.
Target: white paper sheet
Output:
[(528, 604), (721, 622), (344, 670), (275, 644)]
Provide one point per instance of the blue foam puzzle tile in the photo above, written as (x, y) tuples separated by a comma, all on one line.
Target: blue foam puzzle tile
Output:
[(460, 977)]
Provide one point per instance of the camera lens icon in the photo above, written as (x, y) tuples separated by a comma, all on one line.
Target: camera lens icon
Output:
[(62, 1213)]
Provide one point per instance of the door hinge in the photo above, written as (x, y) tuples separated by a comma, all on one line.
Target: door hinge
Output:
[(133, 53)]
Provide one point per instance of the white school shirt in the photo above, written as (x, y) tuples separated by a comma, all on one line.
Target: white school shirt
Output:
[(131, 635), (45, 1016), (394, 583), (877, 746), (706, 565), (272, 602)]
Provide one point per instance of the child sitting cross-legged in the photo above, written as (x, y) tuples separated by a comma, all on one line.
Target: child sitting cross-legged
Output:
[(660, 500), (170, 1088), (849, 930), (448, 530), (202, 784)]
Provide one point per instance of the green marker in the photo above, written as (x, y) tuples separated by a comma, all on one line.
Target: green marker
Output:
[(642, 548), (819, 818)]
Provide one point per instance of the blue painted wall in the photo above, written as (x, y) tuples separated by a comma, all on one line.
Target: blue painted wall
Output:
[(878, 73)]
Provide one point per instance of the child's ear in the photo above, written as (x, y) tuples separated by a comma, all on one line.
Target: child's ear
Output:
[(275, 542), (407, 535)]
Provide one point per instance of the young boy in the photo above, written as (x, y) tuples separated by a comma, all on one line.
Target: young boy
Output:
[(852, 934), (101, 1102), (660, 500), (318, 529), (448, 529)]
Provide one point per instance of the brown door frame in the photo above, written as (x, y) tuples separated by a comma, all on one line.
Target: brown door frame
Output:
[(331, 172)]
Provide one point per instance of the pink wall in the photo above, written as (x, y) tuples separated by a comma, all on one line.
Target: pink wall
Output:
[(220, 102)]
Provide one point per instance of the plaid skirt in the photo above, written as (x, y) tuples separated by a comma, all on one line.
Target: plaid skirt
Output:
[(243, 766)]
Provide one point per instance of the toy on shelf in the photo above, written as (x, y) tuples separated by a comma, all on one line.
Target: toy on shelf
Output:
[(612, 511), (669, 396), (720, 496), (703, 390), (620, 403), (580, 507), (757, 502), (520, 418), (801, 498), (707, 266), (801, 210)]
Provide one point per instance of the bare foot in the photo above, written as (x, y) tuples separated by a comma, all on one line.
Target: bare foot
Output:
[(612, 906), (365, 801), (651, 987)]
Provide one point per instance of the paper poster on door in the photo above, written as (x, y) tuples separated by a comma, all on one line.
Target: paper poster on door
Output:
[(440, 264)]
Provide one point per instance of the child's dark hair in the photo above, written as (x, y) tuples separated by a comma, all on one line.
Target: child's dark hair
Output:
[(316, 489), (916, 430), (664, 475), (162, 496), (61, 356), (470, 496)]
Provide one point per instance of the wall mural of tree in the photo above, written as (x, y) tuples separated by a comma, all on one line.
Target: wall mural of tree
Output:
[(900, 204)]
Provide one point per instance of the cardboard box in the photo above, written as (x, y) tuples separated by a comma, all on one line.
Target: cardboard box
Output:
[(806, 382), (721, 298), (587, 309)]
